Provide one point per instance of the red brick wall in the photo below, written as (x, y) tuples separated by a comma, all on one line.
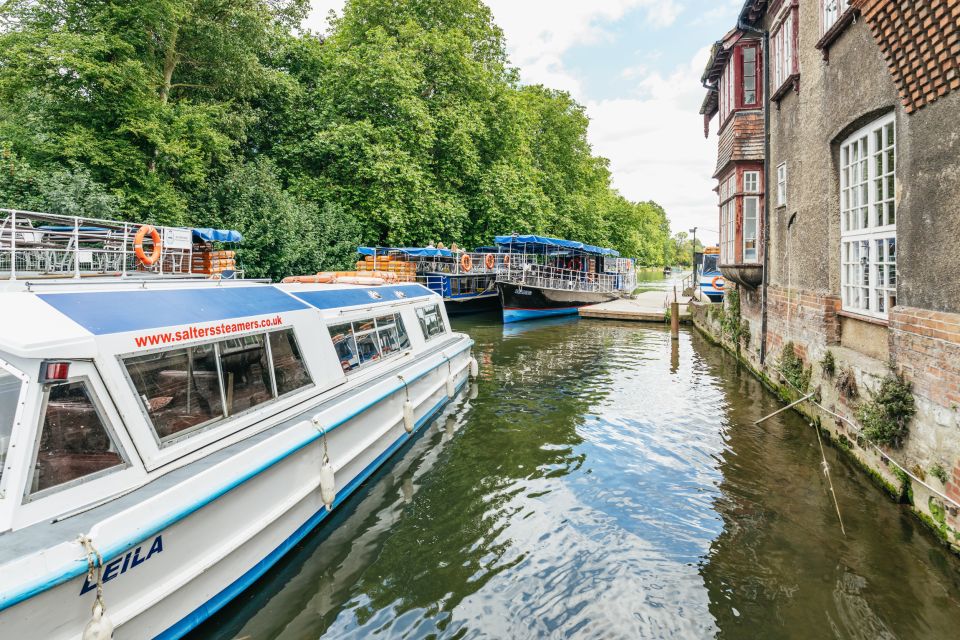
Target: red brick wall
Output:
[(920, 40), (926, 345), (805, 317)]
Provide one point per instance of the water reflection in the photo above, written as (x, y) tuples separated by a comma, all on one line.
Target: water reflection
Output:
[(601, 479)]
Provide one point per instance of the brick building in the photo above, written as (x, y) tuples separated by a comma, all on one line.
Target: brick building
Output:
[(838, 177)]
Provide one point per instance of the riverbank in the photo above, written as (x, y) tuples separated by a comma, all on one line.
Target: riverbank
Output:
[(839, 383)]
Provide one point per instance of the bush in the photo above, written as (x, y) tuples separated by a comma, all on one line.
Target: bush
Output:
[(886, 416), (828, 365), (791, 366), (938, 472)]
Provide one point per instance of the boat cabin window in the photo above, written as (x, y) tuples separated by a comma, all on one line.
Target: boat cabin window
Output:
[(187, 389), (9, 397), (179, 388), (431, 321), (289, 368), (359, 343), (74, 442)]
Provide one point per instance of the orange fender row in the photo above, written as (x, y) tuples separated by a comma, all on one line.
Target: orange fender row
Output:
[(350, 277)]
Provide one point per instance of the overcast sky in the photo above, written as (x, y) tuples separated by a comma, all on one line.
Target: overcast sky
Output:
[(636, 65)]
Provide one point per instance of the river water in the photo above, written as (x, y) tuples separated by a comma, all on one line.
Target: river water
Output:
[(608, 482)]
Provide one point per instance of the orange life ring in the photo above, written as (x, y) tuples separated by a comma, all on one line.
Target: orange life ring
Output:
[(138, 245), (506, 260), (718, 285), (466, 262), (489, 260)]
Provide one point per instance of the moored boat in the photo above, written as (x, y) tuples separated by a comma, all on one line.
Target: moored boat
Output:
[(191, 432), (541, 276), (710, 281), (465, 280)]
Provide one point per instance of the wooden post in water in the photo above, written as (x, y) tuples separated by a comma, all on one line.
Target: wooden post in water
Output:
[(675, 320)]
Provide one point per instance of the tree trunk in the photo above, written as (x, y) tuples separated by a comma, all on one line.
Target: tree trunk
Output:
[(170, 60)]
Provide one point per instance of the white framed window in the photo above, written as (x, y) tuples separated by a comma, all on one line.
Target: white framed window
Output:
[(782, 51), (728, 219), (868, 225), (751, 209), (726, 91), (782, 184), (751, 181), (830, 12), (749, 74)]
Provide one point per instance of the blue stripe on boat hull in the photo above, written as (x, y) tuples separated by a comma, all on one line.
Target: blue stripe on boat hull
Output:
[(192, 620), (518, 315)]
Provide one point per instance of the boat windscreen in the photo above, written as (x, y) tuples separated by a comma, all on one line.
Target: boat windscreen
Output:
[(710, 263), (9, 396)]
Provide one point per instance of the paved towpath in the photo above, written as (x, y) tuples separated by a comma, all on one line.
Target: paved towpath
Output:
[(649, 306)]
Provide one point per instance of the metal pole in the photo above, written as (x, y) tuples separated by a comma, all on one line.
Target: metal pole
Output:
[(13, 246), (789, 406), (76, 247)]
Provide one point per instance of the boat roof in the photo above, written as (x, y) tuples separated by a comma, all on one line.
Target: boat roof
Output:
[(64, 319), (416, 252), (547, 242)]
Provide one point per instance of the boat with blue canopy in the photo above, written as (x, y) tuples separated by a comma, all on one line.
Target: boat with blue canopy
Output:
[(166, 437), (541, 276), (465, 280)]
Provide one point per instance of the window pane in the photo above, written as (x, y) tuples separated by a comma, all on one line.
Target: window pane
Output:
[(342, 336), (367, 347), (73, 439), (289, 369), (246, 373), (392, 334), (9, 396), (180, 389), (431, 322)]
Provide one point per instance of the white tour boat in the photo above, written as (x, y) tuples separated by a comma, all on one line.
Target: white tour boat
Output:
[(165, 439)]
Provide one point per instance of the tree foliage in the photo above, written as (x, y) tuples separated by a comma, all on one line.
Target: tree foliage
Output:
[(404, 125)]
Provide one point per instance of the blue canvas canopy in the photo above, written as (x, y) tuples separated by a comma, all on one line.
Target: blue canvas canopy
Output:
[(554, 242), (417, 252), (217, 235)]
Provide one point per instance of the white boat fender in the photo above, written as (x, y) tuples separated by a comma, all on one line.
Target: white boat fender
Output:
[(451, 383), (328, 484), (328, 480), (99, 627), (409, 421), (474, 367)]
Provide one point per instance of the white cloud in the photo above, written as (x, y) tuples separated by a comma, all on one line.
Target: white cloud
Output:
[(539, 32), (656, 146)]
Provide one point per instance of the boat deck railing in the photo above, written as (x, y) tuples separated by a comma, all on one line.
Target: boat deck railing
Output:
[(460, 287), (532, 274), (443, 265), (46, 245)]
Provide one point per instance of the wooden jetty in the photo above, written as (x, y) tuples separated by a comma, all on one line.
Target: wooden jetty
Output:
[(650, 306)]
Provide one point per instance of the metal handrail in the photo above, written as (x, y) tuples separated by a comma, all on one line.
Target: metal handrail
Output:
[(549, 277), (34, 244)]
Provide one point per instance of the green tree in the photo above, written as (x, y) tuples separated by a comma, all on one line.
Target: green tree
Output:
[(404, 125)]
